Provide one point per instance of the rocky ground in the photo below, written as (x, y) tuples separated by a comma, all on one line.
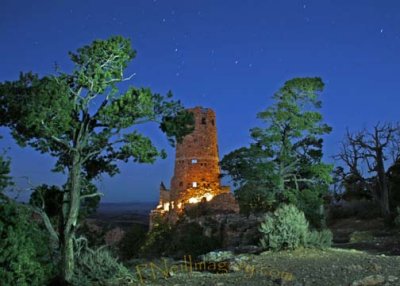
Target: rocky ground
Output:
[(300, 267), (365, 252)]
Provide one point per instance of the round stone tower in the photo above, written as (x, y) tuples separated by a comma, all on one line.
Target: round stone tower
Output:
[(196, 160), (196, 176)]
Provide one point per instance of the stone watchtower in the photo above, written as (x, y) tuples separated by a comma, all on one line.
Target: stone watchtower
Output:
[(196, 174)]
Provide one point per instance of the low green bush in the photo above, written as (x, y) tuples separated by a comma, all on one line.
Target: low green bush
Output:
[(319, 239), (287, 228), (178, 240), (25, 249), (130, 244), (98, 267), (188, 239)]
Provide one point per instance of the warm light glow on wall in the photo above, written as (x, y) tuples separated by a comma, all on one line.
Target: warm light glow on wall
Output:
[(195, 200), (208, 196), (166, 206)]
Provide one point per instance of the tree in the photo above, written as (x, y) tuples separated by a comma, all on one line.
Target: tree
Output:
[(372, 152), (24, 247), (88, 125), (5, 179), (284, 163)]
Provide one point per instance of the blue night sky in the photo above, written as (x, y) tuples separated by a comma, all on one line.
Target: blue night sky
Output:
[(227, 55)]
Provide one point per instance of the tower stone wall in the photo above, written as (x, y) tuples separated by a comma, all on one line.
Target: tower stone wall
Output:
[(196, 175), (196, 159)]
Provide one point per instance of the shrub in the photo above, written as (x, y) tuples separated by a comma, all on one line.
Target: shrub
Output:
[(287, 228), (361, 209), (319, 239), (97, 267), (188, 239), (25, 255), (133, 239), (181, 239), (157, 240)]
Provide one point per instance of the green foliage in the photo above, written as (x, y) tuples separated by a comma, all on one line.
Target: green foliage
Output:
[(360, 209), (98, 267), (188, 239), (50, 198), (83, 120), (158, 239), (178, 240), (287, 228), (132, 241), (25, 256), (5, 179), (285, 158), (319, 239)]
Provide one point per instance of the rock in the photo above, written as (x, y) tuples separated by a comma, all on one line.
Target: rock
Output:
[(392, 278), (217, 256), (371, 280)]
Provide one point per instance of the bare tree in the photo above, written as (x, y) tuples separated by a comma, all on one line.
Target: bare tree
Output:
[(368, 155)]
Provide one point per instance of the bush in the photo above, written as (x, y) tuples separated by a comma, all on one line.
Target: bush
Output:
[(287, 228), (25, 255), (98, 267), (132, 241), (361, 209), (319, 239), (157, 240), (181, 239), (188, 239)]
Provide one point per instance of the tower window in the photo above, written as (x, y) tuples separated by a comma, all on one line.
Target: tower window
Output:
[(212, 122), (180, 184), (194, 161), (203, 120), (194, 184)]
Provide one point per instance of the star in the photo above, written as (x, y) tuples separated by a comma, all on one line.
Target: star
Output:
[(381, 30), (236, 62), (176, 50)]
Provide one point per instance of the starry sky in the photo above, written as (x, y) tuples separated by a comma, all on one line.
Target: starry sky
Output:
[(230, 56)]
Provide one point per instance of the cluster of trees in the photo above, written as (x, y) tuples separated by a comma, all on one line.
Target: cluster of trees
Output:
[(83, 120), (283, 164)]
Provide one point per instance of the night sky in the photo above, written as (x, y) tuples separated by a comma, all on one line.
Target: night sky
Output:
[(230, 56)]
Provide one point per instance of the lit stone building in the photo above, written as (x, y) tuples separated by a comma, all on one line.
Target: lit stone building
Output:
[(197, 174)]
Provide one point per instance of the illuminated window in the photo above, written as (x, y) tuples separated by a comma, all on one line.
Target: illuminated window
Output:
[(194, 184), (194, 161)]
